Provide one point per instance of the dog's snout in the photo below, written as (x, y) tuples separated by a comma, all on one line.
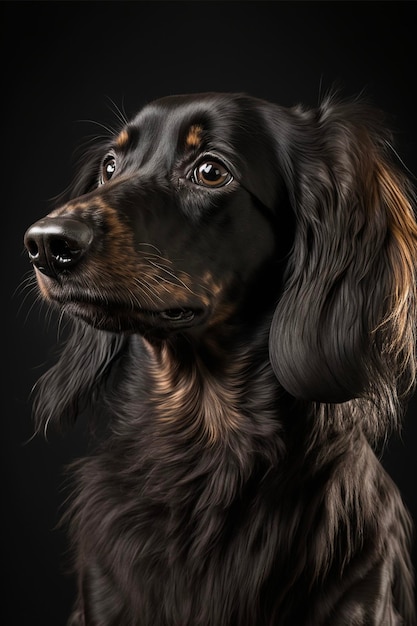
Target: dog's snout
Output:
[(56, 244)]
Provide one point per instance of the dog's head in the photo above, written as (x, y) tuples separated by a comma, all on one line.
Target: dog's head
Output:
[(217, 209), (172, 222)]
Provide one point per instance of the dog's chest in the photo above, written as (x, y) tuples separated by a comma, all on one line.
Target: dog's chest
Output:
[(185, 519)]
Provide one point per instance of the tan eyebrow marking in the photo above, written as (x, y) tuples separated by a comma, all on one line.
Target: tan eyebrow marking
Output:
[(193, 139), (122, 139)]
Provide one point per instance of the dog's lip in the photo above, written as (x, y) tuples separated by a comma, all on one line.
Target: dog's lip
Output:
[(125, 316), (178, 315)]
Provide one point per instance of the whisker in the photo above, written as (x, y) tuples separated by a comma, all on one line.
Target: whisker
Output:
[(31, 290), (146, 289), (109, 129), (150, 245), (164, 269), (118, 112), (30, 310), (26, 280)]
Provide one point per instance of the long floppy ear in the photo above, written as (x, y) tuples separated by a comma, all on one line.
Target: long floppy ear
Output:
[(345, 324), (84, 365)]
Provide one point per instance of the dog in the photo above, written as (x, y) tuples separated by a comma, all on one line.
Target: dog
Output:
[(241, 278)]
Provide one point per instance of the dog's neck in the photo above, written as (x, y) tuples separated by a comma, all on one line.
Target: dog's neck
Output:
[(219, 391), (222, 391)]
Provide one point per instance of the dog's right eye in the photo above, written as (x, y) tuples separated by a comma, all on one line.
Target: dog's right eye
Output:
[(108, 168), (211, 173)]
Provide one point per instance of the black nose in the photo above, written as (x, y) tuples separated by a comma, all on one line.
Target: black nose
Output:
[(56, 244)]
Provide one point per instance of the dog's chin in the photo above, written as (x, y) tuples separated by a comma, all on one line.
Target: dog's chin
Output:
[(135, 320)]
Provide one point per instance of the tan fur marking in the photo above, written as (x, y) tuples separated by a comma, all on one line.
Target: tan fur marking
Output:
[(193, 401), (122, 139), (193, 139), (41, 284), (402, 250), (151, 281)]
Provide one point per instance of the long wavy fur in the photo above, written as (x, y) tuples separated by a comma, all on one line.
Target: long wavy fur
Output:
[(245, 489)]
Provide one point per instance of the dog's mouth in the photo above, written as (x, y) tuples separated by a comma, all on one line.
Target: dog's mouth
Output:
[(119, 318), (178, 315)]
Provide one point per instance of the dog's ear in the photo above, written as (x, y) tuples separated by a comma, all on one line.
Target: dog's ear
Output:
[(345, 324), (84, 364)]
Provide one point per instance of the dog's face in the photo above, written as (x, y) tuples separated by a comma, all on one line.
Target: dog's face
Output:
[(217, 209), (175, 225)]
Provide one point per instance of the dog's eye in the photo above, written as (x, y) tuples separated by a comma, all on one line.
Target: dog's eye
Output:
[(108, 168), (211, 173)]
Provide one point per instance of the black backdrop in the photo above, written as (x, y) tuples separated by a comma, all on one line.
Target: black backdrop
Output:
[(64, 64)]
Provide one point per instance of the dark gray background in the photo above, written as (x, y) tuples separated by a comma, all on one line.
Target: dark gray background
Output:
[(63, 64)]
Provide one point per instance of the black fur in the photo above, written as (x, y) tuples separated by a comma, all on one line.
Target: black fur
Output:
[(242, 279)]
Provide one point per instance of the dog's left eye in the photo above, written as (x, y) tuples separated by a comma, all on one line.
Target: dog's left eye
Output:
[(108, 168), (210, 173)]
